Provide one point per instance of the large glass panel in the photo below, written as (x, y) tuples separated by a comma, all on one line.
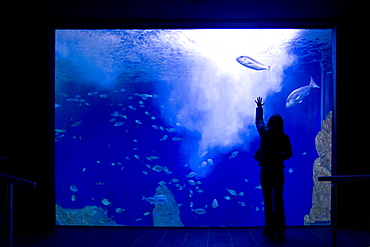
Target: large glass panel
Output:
[(157, 127)]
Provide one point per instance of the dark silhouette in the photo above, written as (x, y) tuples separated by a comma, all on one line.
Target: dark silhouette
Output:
[(274, 148)]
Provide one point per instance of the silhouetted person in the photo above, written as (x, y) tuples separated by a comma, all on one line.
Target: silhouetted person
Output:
[(275, 147)]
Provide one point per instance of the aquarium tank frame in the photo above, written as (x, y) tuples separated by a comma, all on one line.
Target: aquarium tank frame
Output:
[(326, 75)]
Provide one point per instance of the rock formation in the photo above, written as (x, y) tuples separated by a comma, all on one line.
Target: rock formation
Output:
[(87, 216), (321, 194), (166, 214)]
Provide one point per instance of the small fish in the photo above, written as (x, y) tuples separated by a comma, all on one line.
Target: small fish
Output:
[(241, 194), (299, 94), (164, 138), (156, 199), (138, 122), (57, 105), (199, 211), (115, 114), (166, 169), (103, 96), (106, 202), (60, 130), (214, 203), (191, 174), (259, 187), (84, 169), (99, 183), (157, 168), (200, 191), (210, 161), (73, 188), (232, 192), (175, 180), (204, 163), (132, 108), (92, 93), (76, 123), (242, 203), (234, 154), (138, 219), (291, 170), (146, 213), (176, 138), (73, 197), (171, 129), (57, 138), (227, 197), (152, 158), (191, 182), (252, 64), (246, 180), (118, 124), (119, 210), (137, 156)]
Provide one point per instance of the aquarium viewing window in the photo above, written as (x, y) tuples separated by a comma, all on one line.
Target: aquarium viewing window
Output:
[(156, 127)]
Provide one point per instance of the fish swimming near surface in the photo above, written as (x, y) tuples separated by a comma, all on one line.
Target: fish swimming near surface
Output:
[(253, 64), (299, 94)]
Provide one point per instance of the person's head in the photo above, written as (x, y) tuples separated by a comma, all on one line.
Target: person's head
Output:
[(276, 122)]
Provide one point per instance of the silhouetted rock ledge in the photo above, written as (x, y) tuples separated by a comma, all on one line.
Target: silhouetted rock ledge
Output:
[(321, 197), (166, 214)]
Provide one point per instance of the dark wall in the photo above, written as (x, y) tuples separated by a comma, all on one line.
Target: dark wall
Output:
[(26, 104)]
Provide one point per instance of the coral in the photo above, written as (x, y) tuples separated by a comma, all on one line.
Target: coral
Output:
[(321, 194), (87, 216)]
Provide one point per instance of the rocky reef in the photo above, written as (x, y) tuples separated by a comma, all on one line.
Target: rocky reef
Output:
[(321, 194), (87, 216), (166, 214)]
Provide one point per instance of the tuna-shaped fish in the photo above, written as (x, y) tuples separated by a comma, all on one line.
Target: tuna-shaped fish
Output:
[(199, 211), (253, 64), (299, 94), (156, 199)]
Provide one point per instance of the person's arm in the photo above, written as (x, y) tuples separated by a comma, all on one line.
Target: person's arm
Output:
[(259, 114)]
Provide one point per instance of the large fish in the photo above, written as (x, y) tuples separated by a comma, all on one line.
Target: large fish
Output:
[(299, 94), (252, 64)]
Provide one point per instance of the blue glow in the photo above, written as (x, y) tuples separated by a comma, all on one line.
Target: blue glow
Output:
[(137, 107)]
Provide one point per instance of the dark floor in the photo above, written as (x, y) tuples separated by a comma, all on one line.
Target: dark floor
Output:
[(192, 237)]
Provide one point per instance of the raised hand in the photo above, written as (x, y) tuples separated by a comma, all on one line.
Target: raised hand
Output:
[(259, 101)]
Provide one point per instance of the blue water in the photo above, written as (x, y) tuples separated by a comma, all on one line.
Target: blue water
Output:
[(157, 85)]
